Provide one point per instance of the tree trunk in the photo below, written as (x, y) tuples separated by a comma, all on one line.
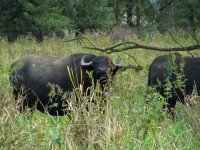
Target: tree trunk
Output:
[(79, 30), (39, 38), (192, 27), (129, 11), (117, 11), (138, 17)]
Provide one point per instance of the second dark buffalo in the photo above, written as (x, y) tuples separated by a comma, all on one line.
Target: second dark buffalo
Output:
[(174, 77), (32, 76)]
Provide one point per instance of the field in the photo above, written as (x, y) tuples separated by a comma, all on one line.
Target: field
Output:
[(123, 125)]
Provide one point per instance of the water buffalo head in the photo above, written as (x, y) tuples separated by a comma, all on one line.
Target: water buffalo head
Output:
[(103, 67)]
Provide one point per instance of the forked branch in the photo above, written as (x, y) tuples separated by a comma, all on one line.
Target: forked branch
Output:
[(133, 45), (124, 46)]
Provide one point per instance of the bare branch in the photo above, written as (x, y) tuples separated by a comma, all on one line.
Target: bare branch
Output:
[(124, 46), (91, 43), (111, 48), (188, 48), (120, 44), (136, 68), (133, 45), (165, 6), (179, 43), (192, 35), (132, 58), (168, 4)]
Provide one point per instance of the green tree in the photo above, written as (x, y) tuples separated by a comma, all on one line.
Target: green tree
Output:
[(187, 15), (178, 14), (129, 11), (35, 17), (89, 15), (44, 17), (11, 18)]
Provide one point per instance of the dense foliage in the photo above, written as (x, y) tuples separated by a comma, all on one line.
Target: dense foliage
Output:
[(41, 18), (38, 18), (184, 14), (90, 14)]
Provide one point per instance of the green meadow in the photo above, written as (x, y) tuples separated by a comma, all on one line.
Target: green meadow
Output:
[(124, 125)]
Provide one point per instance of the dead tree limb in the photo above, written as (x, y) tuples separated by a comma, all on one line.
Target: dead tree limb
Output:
[(168, 4), (86, 38), (136, 68), (134, 45), (179, 44), (124, 46), (131, 57), (165, 6)]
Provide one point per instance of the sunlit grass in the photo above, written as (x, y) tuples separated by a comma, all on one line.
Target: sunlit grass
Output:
[(124, 124)]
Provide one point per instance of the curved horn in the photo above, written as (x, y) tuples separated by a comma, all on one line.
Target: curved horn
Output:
[(119, 64), (83, 63)]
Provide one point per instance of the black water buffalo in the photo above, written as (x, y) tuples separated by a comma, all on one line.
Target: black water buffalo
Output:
[(174, 77), (32, 76)]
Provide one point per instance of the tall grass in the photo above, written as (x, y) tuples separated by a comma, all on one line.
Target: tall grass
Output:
[(122, 125)]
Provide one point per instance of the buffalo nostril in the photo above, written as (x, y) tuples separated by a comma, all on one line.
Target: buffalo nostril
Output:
[(98, 70)]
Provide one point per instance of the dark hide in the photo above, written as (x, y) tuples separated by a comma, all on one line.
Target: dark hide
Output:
[(32, 76), (169, 67)]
